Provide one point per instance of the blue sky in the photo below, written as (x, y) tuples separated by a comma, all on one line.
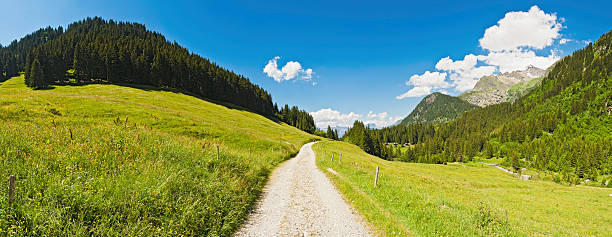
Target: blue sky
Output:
[(363, 54)]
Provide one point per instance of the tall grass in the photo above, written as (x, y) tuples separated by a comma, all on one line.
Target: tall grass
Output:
[(462, 199), (112, 160)]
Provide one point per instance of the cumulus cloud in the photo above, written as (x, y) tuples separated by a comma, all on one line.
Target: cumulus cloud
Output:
[(415, 92), (334, 118), (511, 45), (290, 71), (509, 61), (534, 28), (464, 73), (325, 117), (380, 119), (423, 84), (429, 79), (272, 69)]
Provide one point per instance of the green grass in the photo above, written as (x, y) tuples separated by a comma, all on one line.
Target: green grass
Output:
[(399, 147), (523, 88), (119, 161), (462, 199)]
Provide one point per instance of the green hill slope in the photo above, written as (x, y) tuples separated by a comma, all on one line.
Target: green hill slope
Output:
[(120, 161), (562, 126), (437, 108), (461, 199)]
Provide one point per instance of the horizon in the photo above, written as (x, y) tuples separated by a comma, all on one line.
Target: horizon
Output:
[(358, 63)]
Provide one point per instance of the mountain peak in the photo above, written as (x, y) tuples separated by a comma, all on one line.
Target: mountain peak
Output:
[(437, 108), (495, 89)]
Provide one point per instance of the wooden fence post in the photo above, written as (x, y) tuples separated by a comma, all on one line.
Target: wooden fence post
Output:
[(217, 152), (339, 158), (376, 178), (11, 188)]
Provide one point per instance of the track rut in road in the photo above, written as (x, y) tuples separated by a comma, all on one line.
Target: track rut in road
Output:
[(300, 201)]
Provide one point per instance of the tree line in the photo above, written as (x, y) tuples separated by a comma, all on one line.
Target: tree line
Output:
[(297, 118), (98, 51), (562, 126), (13, 56)]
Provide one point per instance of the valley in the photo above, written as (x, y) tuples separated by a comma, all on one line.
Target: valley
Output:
[(113, 128)]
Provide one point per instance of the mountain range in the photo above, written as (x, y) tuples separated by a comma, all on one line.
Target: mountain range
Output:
[(491, 89), (503, 87)]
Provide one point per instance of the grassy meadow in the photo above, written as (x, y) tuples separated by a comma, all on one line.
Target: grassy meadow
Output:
[(120, 161), (461, 199)]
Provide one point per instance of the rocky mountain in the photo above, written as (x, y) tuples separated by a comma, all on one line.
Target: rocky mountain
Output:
[(437, 108), (509, 86)]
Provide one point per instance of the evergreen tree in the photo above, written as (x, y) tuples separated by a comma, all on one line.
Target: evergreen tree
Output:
[(37, 77)]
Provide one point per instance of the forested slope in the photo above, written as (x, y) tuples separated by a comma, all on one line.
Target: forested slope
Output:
[(99, 51), (564, 125), (437, 108), (13, 56), (119, 52)]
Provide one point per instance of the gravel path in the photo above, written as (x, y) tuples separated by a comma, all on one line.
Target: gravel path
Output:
[(300, 201)]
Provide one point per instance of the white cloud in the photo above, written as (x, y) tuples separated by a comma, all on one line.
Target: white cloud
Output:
[(424, 84), (380, 119), (464, 73), (429, 79), (272, 69), (447, 64), (307, 74), (510, 45), (462, 83), (325, 117), (535, 29), (290, 71), (415, 92), (509, 61)]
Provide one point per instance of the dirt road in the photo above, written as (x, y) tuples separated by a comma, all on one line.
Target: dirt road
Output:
[(300, 201)]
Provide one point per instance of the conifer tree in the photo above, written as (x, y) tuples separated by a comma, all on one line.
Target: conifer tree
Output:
[(37, 75)]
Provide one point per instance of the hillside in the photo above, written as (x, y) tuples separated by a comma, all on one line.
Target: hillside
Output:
[(504, 87), (113, 160), (101, 51), (461, 199), (562, 126), (437, 108)]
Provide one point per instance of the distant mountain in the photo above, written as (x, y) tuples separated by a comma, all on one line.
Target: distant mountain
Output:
[(504, 87), (437, 108)]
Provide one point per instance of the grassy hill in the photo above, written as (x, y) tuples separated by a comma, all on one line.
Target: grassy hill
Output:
[(461, 199), (437, 108), (523, 88), (120, 161)]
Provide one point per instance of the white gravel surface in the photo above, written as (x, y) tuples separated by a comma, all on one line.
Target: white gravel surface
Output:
[(300, 201)]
